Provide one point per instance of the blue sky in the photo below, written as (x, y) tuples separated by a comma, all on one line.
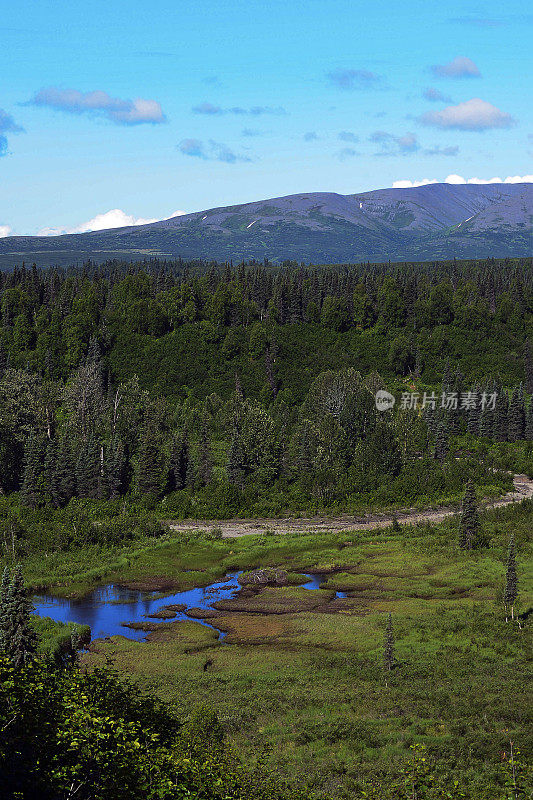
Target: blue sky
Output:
[(147, 108)]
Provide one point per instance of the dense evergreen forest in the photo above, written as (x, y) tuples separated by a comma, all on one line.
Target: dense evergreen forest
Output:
[(216, 391)]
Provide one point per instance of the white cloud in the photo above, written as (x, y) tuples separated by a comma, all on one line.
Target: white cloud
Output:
[(5, 230), (472, 115), (458, 179), (116, 218), (122, 112), (519, 179), (412, 184), (459, 67)]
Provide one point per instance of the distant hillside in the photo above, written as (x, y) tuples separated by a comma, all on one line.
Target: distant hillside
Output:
[(436, 221)]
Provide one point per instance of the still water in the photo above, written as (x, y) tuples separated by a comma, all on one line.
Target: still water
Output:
[(107, 608)]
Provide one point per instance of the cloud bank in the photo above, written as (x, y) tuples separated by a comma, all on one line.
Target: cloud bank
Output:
[(472, 115), (458, 179), (116, 218), (122, 112), (459, 67), (5, 230)]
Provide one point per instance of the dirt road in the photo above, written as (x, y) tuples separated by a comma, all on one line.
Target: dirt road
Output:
[(231, 528)]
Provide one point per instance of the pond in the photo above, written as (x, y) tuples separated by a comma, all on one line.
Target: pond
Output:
[(107, 609)]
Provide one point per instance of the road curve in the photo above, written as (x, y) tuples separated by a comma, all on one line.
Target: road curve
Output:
[(231, 528)]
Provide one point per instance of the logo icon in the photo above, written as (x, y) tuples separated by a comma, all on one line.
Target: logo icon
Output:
[(384, 400)]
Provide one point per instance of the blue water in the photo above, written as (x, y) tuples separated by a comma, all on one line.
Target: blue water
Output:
[(316, 580), (107, 608)]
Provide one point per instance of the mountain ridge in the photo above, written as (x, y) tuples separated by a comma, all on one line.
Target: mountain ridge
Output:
[(428, 222)]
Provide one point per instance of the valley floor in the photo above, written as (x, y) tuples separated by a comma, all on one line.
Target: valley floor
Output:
[(299, 681)]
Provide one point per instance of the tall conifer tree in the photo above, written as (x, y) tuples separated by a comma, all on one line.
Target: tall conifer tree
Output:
[(388, 646), (516, 416), (32, 492), (469, 524), (150, 462), (511, 581), (17, 635)]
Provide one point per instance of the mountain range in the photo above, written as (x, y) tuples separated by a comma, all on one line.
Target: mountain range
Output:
[(431, 222)]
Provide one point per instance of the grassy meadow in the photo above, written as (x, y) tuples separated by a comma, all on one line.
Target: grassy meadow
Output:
[(298, 681)]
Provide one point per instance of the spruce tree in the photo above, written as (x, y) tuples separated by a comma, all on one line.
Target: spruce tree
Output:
[(205, 458), (516, 427), (149, 462), (88, 469), (529, 422), (442, 444), (32, 493), (18, 637), (511, 582), (115, 467), (486, 425), (181, 468), (50, 471), (474, 414), (64, 481), (4, 595), (237, 462), (528, 365), (469, 525), (501, 417), (395, 525), (388, 646)]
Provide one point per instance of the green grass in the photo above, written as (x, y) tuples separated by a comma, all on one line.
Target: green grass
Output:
[(55, 637), (299, 676)]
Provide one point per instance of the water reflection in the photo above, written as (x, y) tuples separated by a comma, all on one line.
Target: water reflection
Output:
[(107, 608)]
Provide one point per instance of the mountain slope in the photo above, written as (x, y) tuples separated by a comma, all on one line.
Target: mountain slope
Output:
[(422, 223)]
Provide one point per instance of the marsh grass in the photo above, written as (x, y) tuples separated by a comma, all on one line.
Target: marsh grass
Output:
[(306, 684)]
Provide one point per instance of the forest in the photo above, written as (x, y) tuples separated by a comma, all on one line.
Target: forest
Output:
[(137, 395)]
